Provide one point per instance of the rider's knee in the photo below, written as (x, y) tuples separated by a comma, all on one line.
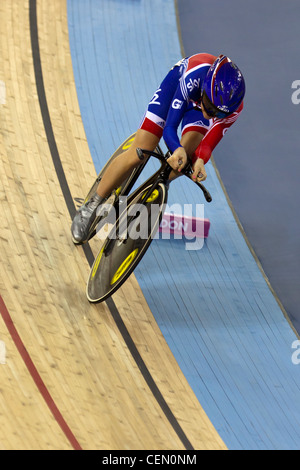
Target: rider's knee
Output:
[(132, 158)]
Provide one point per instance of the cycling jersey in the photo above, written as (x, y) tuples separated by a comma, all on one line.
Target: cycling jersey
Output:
[(177, 100)]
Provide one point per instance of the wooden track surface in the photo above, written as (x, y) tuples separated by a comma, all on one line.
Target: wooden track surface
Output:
[(70, 379)]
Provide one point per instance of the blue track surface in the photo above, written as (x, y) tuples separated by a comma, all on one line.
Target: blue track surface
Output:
[(260, 167), (213, 305)]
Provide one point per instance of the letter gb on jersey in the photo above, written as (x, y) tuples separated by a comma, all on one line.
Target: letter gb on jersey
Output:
[(177, 104)]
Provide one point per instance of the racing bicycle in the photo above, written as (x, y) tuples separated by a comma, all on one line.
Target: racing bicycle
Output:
[(134, 225)]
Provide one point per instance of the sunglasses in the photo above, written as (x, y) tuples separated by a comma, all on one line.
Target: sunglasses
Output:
[(210, 109)]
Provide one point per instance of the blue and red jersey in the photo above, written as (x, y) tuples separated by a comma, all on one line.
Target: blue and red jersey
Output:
[(177, 102)]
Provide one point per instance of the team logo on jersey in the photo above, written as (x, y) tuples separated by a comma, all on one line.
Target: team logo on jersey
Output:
[(156, 97), (193, 84), (201, 124)]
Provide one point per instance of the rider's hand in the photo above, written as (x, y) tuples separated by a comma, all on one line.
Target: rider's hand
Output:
[(178, 159), (199, 173)]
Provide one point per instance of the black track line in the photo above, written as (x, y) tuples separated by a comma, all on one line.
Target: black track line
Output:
[(72, 210)]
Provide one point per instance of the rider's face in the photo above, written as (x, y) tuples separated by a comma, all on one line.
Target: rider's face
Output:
[(206, 116), (210, 111), (204, 109)]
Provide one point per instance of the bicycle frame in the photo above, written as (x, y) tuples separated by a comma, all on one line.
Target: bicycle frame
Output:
[(120, 254)]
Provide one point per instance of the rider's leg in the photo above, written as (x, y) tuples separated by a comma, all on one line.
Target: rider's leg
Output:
[(121, 167), (116, 173)]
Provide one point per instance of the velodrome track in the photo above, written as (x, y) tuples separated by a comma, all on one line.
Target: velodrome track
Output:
[(194, 352)]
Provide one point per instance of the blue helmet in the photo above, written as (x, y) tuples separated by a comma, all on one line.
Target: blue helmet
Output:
[(223, 88)]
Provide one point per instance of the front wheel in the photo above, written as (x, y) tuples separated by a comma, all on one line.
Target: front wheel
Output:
[(126, 243)]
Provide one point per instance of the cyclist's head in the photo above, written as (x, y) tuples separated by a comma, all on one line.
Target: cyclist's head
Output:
[(223, 88)]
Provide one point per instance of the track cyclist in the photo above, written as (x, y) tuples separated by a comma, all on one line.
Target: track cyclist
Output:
[(205, 94)]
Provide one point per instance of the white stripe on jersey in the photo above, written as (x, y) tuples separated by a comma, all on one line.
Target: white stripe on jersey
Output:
[(154, 118), (183, 88), (183, 85), (196, 68)]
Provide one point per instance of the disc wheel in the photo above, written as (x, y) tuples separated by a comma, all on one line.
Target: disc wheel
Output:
[(126, 243)]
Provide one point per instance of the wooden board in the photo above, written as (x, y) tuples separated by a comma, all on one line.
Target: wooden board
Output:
[(78, 357)]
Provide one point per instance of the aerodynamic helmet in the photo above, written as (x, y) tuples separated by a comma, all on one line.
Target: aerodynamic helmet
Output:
[(223, 88)]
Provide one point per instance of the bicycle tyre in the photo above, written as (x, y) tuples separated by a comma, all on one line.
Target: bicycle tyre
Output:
[(118, 257)]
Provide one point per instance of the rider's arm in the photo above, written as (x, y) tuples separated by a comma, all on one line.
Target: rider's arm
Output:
[(176, 113), (214, 135)]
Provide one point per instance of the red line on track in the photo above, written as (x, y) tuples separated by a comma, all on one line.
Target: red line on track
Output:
[(36, 376)]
